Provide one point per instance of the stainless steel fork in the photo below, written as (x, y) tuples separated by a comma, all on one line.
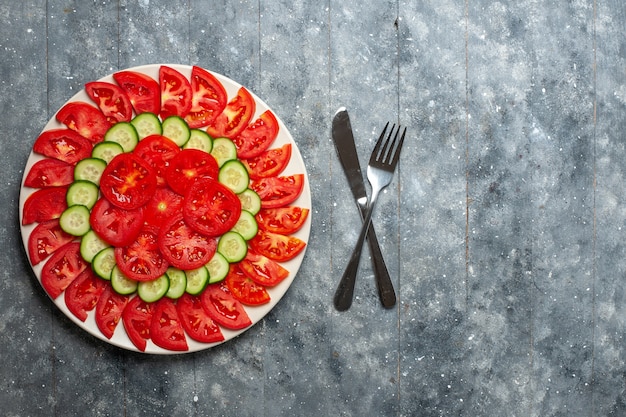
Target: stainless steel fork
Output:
[(380, 170)]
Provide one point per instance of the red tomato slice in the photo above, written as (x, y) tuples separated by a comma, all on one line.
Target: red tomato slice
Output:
[(268, 164), (278, 191), (64, 145), (263, 270), (166, 329), (44, 204), (175, 93), (84, 119), (128, 181), (49, 173), (183, 247), (188, 165), (277, 247), (244, 289), (164, 204), (62, 268), (208, 100), (257, 137), (223, 308), (143, 91), (195, 320), (45, 239), (211, 208), (157, 150), (136, 318), (235, 116), (83, 293), (282, 220), (142, 260), (111, 99), (109, 310), (116, 226)]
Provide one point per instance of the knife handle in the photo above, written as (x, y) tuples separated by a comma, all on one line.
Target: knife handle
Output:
[(383, 280)]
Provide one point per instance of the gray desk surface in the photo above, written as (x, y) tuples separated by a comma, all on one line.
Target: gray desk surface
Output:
[(503, 229)]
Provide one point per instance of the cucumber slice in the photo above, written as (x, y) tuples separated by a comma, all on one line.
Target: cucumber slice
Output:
[(232, 246), (246, 226), (176, 129), (250, 201), (197, 280), (91, 245), (122, 284), (234, 175), (218, 268), (123, 133), (147, 124), (103, 263), (90, 169), (106, 151), (223, 150), (75, 220), (151, 291), (178, 282), (199, 139), (84, 193)]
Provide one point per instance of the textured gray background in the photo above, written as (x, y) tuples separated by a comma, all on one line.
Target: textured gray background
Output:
[(503, 228)]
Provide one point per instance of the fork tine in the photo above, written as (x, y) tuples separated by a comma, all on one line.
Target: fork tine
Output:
[(396, 155), (390, 146), (380, 141)]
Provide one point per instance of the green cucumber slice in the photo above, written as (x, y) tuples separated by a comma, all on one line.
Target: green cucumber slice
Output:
[(103, 263), (197, 280), (90, 169), (234, 175), (147, 124), (218, 268), (106, 151), (91, 245), (223, 150), (123, 133), (84, 193), (151, 291), (250, 201), (75, 220), (199, 139), (246, 226), (178, 282), (122, 284), (176, 129), (232, 246)]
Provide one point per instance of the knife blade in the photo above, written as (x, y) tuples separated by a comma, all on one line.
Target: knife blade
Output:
[(343, 139)]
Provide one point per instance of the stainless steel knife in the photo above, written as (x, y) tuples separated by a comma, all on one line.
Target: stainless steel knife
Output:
[(346, 150)]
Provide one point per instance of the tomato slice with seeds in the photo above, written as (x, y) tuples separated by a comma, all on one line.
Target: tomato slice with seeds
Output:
[(282, 220), (164, 204), (211, 208), (183, 247), (277, 247), (270, 163), (83, 293), (136, 318), (143, 91), (175, 93), (128, 181), (223, 308), (157, 150), (62, 268), (257, 137), (263, 270), (45, 239), (195, 320), (49, 173), (208, 98), (188, 165), (278, 191), (84, 119), (116, 226), (166, 330), (44, 204), (244, 289), (64, 145), (111, 99), (142, 260), (235, 116), (109, 310)]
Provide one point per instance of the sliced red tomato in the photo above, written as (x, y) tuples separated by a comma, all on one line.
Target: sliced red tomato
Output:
[(84, 119), (188, 165), (257, 137), (282, 220), (143, 91), (166, 329), (211, 208), (223, 308), (64, 145), (244, 289), (270, 163), (83, 293), (111, 99), (45, 239), (195, 320), (277, 247), (208, 98), (109, 310), (235, 116), (128, 181), (142, 260), (44, 204), (263, 270), (175, 93), (164, 204), (62, 268), (136, 318), (116, 226), (278, 191), (157, 150), (183, 247), (49, 173)]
